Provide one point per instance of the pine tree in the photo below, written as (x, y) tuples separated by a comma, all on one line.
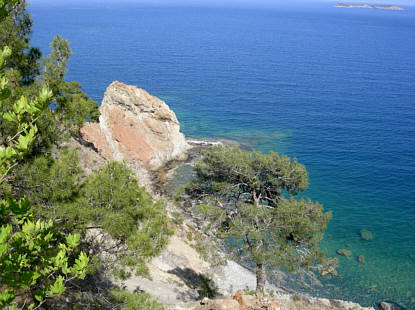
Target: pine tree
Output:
[(35, 260), (15, 31), (69, 108), (249, 198), (112, 200)]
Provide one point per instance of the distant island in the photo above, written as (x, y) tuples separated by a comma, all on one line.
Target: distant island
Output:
[(369, 6)]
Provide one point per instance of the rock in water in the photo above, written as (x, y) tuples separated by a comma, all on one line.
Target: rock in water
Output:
[(386, 305), (344, 252), (137, 127), (361, 259), (366, 235)]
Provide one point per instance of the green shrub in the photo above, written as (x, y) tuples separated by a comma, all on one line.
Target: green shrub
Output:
[(177, 218), (248, 291), (135, 301), (112, 199)]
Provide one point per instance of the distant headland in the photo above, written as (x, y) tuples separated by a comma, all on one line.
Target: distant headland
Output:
[(369, 6)]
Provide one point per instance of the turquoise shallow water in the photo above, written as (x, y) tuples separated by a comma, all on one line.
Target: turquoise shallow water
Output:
[(333, 87)]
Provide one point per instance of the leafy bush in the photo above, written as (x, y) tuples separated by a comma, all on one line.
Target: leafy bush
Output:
[(36, 261)]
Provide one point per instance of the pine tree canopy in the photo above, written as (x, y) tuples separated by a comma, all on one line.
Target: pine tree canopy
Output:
[(249, 198)]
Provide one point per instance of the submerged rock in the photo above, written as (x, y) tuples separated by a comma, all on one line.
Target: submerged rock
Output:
[(137, 127), (366, 235), (344, 252), (361, 259), (388, 305), (331, 271)]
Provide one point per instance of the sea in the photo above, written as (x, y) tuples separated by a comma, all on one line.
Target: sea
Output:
[(333, 87)]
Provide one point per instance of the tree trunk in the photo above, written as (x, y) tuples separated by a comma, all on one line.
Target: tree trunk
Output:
[(261, 277)]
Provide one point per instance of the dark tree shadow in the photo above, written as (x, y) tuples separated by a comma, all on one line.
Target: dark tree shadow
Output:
[(203, 284), (91, 293)]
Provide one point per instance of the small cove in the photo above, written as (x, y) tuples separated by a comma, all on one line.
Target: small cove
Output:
[(334, 88)]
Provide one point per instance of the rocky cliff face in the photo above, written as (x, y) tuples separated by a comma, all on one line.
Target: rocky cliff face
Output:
[(137, 127)]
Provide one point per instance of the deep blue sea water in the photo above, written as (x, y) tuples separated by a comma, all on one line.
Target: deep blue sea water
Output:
[(333, 87)]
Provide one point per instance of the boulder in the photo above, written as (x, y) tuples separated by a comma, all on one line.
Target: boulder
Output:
[(137, 127), (245, 300), (220, 304), (366, 235), (227, 304), (361, 259)]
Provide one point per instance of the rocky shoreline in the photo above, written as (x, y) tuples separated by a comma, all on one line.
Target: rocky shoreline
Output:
[(141, 130)]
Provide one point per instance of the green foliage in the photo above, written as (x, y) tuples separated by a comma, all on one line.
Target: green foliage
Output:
[(109, 199), (49, 183), (36, 261), (249, 199), (231, 175), (15, 30), (177, 218), (92, 295), (248, 291), (112, 199), (71, 105), (55, 65), (24, 114), (208, 249), (134, 301), (38, 257)]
